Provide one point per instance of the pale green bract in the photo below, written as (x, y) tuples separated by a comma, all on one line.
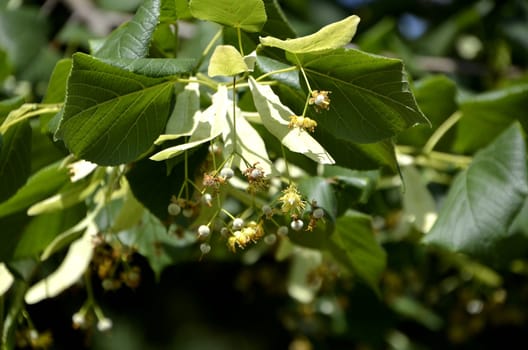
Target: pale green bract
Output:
[(332, 36), (275, 117), (210, 125)]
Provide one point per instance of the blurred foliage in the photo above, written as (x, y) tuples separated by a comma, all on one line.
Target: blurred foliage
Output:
[(467, 63)]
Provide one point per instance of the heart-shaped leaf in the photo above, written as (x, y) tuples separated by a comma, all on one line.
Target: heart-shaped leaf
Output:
[(248, 15), (226, 61), (484, 198), (112, 116), (370, 96)]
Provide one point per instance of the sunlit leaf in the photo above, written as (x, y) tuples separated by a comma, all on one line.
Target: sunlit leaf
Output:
[(332, 36), (248, 15), (226, 61), (112, 116), (244, 143), (39, 186), (70, 270), (275, 116), (418, 203), (484, 199), (210, 124)]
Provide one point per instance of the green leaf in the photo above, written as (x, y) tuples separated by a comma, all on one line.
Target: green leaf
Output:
[(132, 39), (185, 115), (70, 270), (318, 189), (209, 125), (152, 241), (15, 164), (364, 181), (42, 229), (154, 186), (244, 142), (436, 96), (39, 186), (226, 61), (22, 35), (248, 15), (484, 199), (154, 67), (490, 113), (69, 196), (56, 91), (418, 203), (277, 24), (275, 117), (112, 116), (9, 105), (355, 236), (370, 99), (332, 36)]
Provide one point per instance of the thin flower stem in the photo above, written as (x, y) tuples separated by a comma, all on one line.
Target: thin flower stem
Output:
[(234, 116), (239, 35), (441, 131)]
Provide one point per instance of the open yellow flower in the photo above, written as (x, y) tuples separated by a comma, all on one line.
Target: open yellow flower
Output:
[(292, 201)]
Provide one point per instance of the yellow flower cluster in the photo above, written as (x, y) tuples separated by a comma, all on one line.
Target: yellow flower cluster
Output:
[(292, 201), (249, 234), (304, 123), (320, 100)]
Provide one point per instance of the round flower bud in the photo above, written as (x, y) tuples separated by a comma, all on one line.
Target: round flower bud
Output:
[(227, 173), (238, 223), (318, 213), (204, 231), (297, 225), (104, 324), (266, 209), (319, 99), (205, 248), (174, 209), (282, 231), (188, 212), (79, 319), (207, 198), (270, 239)]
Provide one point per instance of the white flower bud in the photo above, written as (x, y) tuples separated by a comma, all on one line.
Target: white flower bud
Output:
[(204, 231), (104, 324), (297, 225), (238, 223), (227, 173)]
